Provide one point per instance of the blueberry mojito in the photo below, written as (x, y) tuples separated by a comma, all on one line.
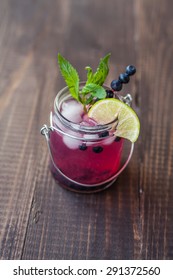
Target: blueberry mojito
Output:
[(88, 125)]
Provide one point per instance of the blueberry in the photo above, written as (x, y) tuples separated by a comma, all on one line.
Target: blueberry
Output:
[(130, 70), (109, 93), (82, 147), (117, 139), (97, 149), (124, 78), (103, 134), (116, 85)]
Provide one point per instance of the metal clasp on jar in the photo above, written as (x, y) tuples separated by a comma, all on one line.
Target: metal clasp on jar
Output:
[(45, 131), (127, 99)]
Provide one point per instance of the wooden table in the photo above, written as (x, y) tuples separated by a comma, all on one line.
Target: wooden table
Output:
[(133, 219)]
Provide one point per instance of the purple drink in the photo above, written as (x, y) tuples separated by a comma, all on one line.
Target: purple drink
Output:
[(84, 154)]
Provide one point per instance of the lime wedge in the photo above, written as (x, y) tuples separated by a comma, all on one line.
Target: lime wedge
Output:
[(107, 110)]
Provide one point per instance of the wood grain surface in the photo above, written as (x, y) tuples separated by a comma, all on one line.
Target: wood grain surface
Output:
[(133, 219)]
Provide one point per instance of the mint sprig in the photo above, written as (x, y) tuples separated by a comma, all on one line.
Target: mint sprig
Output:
[(70, 75), (102, 71), (93, 89)]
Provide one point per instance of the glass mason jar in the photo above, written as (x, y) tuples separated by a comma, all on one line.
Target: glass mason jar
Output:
[(83, 158)]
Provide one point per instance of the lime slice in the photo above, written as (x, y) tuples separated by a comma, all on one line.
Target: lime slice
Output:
[(107, 110)]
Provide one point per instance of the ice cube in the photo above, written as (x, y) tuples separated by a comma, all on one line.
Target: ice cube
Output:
[(71, 143), (72, 110), (91, 136), (88, 121), (109, 140)]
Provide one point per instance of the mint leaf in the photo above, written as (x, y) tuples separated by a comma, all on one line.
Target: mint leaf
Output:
[(70, 76), (89, 73), (94, 90), (89, 100), (102, 71)]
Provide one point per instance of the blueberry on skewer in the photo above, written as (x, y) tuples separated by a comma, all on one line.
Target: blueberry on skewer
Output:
[(130, 70), (116, 85), (124, 78)]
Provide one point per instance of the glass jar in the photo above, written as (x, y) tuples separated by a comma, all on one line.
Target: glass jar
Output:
[(84, 158)]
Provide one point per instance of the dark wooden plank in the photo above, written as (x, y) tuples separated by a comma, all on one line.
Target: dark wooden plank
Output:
[(155, 50), (40, 220), (20, 98)]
